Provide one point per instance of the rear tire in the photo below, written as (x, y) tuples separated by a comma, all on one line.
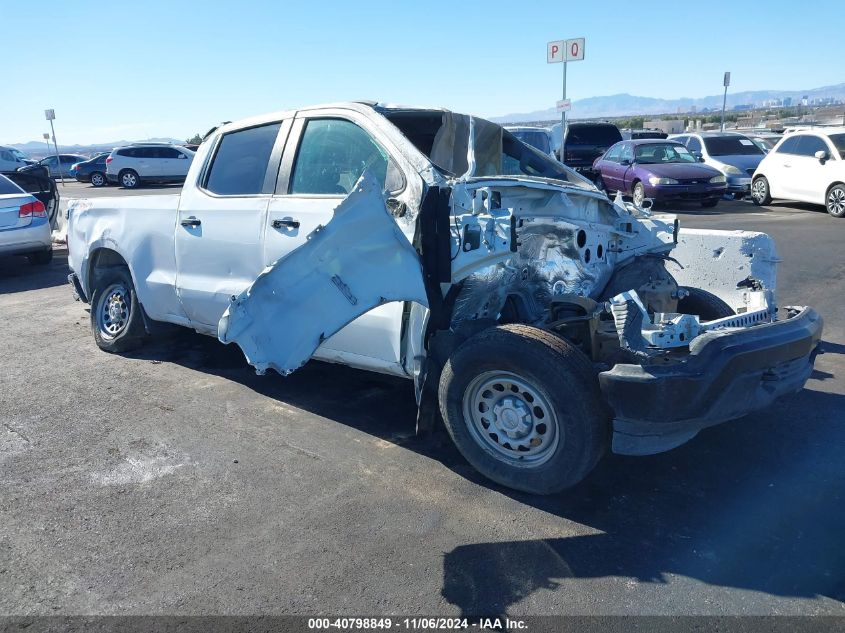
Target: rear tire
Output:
[(41, 258), (835, 201), (599, 183), (98, 179), (704, 304), (524, 408), (116, 320), (129, 179), (760, 193)]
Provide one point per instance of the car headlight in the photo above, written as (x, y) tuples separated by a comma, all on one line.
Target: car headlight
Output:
[(730, 169), (718, 179), (654, 180)]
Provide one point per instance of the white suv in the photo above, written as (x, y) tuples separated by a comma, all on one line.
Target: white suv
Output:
[(807, 166), (139, 163)]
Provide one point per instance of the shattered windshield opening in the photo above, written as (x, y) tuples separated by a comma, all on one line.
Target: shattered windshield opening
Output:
[(444, 138)]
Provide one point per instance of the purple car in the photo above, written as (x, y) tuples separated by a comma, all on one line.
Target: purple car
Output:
[(659, 169)]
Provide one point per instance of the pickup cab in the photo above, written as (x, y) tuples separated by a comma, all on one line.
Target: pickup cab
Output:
[(543, 323)]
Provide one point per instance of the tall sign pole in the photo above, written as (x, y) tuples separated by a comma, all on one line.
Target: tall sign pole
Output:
[(47, 141), (726, 82), (564, 51), (50, 115)]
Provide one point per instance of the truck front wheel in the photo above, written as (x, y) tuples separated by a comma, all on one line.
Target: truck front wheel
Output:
[(524, 407), (116, 319)]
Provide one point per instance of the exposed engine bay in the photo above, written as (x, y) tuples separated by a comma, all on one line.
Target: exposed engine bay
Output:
[(609, 277)]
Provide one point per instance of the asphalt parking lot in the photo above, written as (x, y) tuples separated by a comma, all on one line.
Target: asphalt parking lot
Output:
[(176, 481)]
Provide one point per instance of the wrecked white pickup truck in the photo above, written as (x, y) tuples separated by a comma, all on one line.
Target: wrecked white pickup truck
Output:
[(541, 320)]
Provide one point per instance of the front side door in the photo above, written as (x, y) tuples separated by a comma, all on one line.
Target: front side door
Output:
[(358, 261), (777, 167), (323, 159), (221, 221), (811, 176)]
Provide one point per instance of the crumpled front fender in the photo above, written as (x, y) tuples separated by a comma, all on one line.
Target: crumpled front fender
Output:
[(357, 261)]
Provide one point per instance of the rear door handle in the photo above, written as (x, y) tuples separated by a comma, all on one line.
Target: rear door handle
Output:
[(191, 221), (290, 224)]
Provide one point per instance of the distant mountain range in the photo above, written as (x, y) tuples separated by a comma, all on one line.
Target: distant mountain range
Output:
[(40, 147), (629, 105)]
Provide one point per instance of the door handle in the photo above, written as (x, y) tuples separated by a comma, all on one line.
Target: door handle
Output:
[(191, 221), (289, 224)]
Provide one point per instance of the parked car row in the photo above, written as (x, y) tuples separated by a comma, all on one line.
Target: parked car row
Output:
[(130, 166)]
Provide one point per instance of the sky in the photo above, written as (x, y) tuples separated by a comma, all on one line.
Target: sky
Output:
[(173, 68)]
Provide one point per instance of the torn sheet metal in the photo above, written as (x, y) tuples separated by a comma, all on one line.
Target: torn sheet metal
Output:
[(358, 261), (739, 267), (534, 242)]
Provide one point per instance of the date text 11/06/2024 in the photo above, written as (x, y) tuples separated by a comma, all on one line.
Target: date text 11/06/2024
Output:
[(416, 624)]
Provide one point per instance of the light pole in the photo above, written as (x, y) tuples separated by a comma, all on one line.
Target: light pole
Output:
[(726, 82), (50, 115)]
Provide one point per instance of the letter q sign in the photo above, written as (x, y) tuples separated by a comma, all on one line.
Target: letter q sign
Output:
[(565, 50)]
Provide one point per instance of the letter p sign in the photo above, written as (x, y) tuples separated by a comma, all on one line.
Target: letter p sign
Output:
[(555, 51)]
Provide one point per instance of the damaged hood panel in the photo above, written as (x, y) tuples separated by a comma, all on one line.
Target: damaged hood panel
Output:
[(358, 261)]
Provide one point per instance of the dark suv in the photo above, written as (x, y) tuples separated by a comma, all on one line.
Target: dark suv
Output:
[(93, 170), (585, 142)]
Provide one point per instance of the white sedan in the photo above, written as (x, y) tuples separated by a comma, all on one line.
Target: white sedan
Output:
[(806, 166)]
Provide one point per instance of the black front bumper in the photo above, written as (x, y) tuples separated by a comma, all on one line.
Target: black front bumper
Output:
[(725, 376)]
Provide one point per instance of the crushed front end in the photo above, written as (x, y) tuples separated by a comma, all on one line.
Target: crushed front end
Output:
[(681, 325)]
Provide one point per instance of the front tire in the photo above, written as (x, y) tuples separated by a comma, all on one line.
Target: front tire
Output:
[(760, 192), (835, 201), (98, 179), (129, 179), (116, 320), (639, 194), (706, 305), (524, 408)]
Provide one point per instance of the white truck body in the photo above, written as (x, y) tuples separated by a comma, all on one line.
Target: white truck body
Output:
[(449, 226)]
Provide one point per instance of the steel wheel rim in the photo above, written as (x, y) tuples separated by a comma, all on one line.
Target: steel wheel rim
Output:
[(113, 311), (639, 196), (836, 201), (128, 180), (511, 419), (758, 190)]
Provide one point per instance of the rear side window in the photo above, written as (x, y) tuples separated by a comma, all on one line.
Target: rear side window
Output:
[(169, 152), (694, 145), (128, 152), (8, 187), (241, 160), (4, 155)]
